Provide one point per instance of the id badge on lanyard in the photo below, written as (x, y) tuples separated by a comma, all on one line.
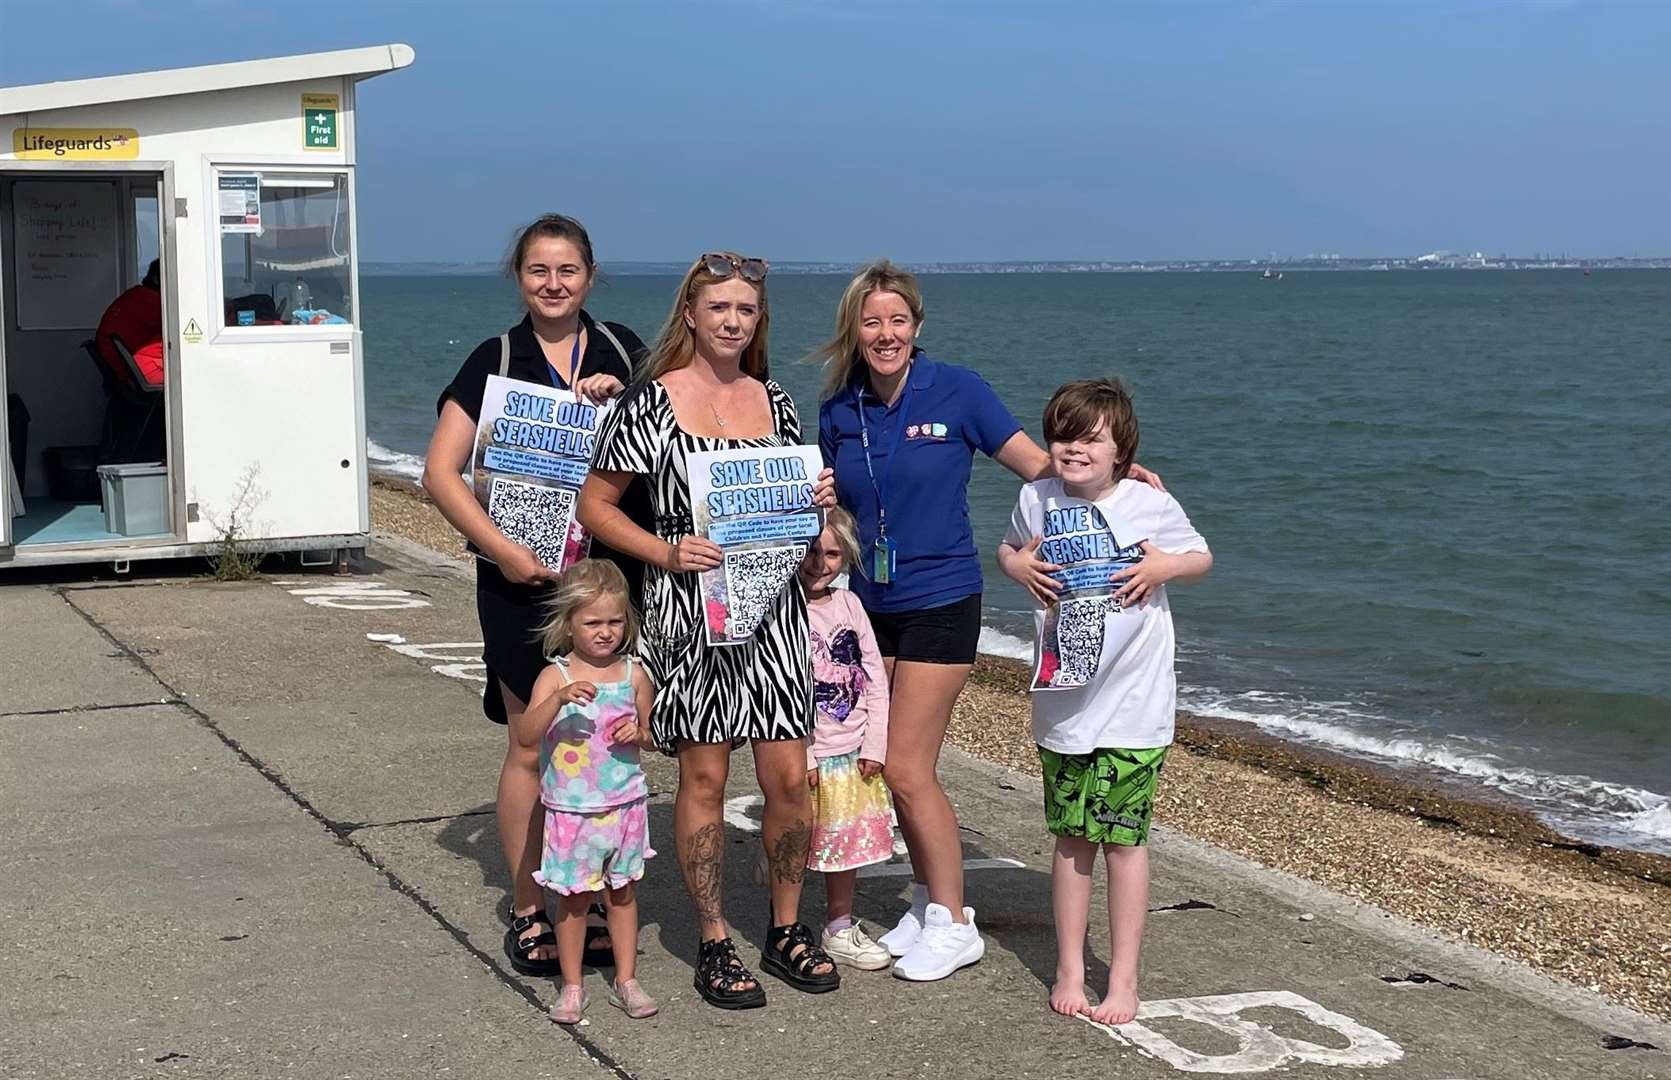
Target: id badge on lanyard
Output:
[(884, 554), (883, 560)]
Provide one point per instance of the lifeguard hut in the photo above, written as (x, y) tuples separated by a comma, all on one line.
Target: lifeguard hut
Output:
[(247, 411)]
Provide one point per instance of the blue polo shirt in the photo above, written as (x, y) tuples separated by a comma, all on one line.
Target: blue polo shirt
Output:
[(942, 416)]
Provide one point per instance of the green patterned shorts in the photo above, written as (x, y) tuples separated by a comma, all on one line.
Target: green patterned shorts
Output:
[(1105, 796)]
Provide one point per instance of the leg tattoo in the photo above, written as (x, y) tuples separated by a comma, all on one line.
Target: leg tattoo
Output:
[(787, 856), (702, 858)]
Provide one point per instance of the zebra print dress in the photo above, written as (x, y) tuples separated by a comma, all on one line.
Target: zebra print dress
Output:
[(761, 689)]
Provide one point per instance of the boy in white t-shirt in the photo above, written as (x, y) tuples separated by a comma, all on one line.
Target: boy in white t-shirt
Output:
[(1102, 743)]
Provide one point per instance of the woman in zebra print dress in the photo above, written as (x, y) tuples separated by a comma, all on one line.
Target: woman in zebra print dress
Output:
[(704, 387)]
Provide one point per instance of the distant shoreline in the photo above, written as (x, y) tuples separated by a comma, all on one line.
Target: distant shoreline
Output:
[(1323, 264)]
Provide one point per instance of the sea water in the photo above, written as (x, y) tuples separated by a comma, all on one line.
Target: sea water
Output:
[(1437, 500)]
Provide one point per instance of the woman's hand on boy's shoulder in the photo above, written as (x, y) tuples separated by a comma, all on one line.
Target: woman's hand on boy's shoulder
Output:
[(1032, 573), (1145, 476)]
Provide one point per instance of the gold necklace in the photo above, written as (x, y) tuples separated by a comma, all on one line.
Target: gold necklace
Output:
[(715, 410)]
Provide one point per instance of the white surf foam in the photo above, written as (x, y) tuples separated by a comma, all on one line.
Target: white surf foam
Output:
[(997, 643), (393, 462), (1613, 813), (1655, 822)]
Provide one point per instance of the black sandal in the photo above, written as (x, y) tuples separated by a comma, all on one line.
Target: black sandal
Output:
[(519, 944), (596, 955), (718, 973), (792, 954)]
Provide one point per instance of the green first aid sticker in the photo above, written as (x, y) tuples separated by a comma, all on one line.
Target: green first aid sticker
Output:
[(320, 123)]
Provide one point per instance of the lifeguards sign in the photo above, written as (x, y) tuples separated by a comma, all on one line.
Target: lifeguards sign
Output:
[(75, 144), (319, 121)]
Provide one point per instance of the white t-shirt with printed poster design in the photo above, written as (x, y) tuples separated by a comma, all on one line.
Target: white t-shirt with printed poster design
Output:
[(1131, 701)]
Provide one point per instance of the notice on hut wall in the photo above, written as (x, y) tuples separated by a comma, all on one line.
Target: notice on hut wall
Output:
[(534, 448), (1078, 632), (756, 504), (238, 202), (65, 255)]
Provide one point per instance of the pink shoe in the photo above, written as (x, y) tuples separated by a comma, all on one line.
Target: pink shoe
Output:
[(631, 999), (570, 1004)]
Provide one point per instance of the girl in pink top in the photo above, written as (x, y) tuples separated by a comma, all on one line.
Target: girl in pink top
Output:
[(852, 824)]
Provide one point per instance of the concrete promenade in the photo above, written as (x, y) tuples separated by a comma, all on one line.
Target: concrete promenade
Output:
[(249, 833)]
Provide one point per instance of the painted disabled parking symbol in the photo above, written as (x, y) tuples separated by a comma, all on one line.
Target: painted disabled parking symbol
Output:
[(1259, 1049), (354, 595), (459, 659)]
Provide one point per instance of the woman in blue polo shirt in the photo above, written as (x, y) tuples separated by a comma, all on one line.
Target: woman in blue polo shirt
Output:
[(901, 431)]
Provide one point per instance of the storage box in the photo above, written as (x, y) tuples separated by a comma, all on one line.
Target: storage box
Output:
[(135, 498)]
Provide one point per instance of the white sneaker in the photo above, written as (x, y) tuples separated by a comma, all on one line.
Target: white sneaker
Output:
[(943, 947), (905, 933), (854, 948)]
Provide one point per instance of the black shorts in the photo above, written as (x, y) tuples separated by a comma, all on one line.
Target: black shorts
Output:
[(949, 634), (511, 616)]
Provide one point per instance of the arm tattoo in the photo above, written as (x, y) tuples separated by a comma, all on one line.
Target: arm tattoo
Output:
[(787, 855), (702, 858)]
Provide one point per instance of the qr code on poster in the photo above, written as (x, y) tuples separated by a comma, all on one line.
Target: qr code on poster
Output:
[(534, 516), (1080, 626), (753, 580)]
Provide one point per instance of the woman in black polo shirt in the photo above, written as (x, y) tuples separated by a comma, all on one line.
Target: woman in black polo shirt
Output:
[(556, 344)]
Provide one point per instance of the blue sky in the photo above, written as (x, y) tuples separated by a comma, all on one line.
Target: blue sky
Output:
[(802, 129)]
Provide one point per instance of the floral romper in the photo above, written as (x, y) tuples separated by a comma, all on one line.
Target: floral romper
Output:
[(597, 828)]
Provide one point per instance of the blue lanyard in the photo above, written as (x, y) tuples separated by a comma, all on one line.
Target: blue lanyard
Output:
[(893, 452), (574, 359)]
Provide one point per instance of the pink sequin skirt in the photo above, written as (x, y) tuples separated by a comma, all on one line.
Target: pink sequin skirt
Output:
[(853, 826)]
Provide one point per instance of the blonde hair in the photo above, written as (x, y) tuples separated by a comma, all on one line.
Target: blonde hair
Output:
[(841, 353), (676, 344), (846, 531), (582, 583)]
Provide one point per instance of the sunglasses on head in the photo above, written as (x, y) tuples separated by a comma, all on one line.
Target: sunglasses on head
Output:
[(722, 266)]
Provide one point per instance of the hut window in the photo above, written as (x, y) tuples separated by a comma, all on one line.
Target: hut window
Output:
[(286, 248)]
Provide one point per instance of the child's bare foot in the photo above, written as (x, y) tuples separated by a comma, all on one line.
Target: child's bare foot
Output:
[(1068, 995), (1118, 1006)]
